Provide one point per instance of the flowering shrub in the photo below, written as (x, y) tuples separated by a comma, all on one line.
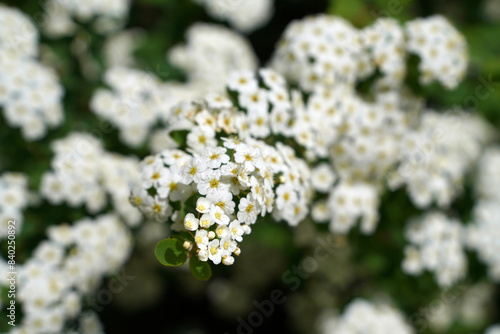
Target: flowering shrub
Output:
[(343, 173)]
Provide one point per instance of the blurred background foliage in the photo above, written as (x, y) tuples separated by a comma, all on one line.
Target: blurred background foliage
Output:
[(167, 300)]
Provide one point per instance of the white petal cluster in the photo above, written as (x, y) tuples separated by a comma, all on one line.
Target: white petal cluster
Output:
[(13, 199), (385, 40), (436, 156), (230, 192), (436, 245), (138, 100), (327, 50), (18, 36), (60, 15), (488, 178), (243, 15), (362, 316), (348, 202), (83, 173), (441, 48), (210, 53), (119, 48), (234, 182), (321, 50), (483, 234), (66, 268), (30, 94), (134, 103)]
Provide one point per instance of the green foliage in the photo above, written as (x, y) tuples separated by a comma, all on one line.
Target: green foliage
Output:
[(170, 252), (200, 270)]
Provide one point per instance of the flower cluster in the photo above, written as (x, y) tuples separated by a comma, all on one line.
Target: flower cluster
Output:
[(209, 55), (233, 177), (243, 15), (67, 267), (119, 48), (385, 41), (18, 37), (84, 173), (229, 185), (437, 155), (138, 100), (441, 48), (325, 50), (484, 233), (321, 50), (134, 103), (437, 246), (59, 18), (362, 316), (13, 199), (30, 93)]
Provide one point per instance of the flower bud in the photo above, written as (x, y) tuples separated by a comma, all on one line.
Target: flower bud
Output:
[(227, 260)]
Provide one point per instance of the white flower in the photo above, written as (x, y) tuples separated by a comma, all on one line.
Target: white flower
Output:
[(206, 220), (249, 156), (203, 254), (193, 170), (286, 196), (248, 210), (243, 82), (222, 231), (322, 178), (201, 137), (215, 156), (227, 260), (191, 223), (214, 252), (211, 183), (154, 174), (236, 230), (218, 215), (201, 239), (203, 205), (223, 199)]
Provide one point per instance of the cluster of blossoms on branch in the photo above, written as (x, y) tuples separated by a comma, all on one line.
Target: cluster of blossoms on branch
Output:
[(30, 93), (243, 15), (62, 16), (67, 267), (14, 196), (137, 100), (483, 235), (327, 50), (437, 246), (362, 316), (223, 179), (354, 143), (86, 174)]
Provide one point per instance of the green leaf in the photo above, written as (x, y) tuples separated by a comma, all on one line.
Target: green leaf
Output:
[(200, 270), (170, 252), (189, 206), (180, 136)]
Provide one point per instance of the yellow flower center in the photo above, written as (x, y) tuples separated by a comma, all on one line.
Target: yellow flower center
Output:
[(157, 208)]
